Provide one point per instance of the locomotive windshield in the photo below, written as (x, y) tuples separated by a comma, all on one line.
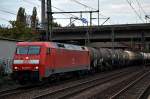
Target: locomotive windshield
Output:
[(28, 50)]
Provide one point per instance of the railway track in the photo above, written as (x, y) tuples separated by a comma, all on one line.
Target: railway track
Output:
[(16, 90), (69, 91), (118, 85), (98, 89), (135, 89), (69, 87)]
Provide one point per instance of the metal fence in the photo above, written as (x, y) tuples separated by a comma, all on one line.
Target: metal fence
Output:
[(6, 66)]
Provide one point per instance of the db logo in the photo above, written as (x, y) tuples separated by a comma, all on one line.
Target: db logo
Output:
[(25, 61)]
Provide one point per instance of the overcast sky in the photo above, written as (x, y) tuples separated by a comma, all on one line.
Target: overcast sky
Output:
[(119, 11)]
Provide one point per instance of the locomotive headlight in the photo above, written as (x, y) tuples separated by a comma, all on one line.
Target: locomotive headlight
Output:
[(36, 68), (15, 68)]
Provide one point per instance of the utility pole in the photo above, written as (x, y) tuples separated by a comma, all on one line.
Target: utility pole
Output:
[(49, 20), (90, 29), (98, 13), (43, 13), (90, 19)]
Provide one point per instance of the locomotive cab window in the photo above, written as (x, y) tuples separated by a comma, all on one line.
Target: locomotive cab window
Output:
[(28, 50), (34, 50), (22, 50)]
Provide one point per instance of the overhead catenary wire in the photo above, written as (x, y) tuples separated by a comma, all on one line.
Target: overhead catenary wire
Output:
[(142, 9), (65, 14), (32, 3), (55, 8), (4, 19), (61, 10), (107, 18), (129, 2), (8, 12), (72, 15), (64, 11), (139, 4), (86, 6), (5, 11)]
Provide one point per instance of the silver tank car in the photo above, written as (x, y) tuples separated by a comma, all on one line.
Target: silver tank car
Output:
[(118, 59), (146, 58), (104, 58), (133, 58), (95, 56)]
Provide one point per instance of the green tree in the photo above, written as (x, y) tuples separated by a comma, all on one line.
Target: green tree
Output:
[(21, 16), (34, 20), (19, 31), (55, 24)]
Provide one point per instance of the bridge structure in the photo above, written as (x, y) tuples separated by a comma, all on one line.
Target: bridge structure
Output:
[(123, 33)]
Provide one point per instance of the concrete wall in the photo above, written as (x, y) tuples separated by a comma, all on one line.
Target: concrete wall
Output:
[(7, 49)]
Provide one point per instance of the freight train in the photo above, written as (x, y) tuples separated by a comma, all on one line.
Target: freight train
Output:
[(35, 61)]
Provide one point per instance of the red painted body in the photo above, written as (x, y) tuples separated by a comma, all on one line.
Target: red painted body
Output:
[(52, 58)]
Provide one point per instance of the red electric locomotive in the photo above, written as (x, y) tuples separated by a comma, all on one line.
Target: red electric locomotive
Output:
[(34, 61)]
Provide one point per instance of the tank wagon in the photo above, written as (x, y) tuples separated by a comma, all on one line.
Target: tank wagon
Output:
[(34, 61)]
